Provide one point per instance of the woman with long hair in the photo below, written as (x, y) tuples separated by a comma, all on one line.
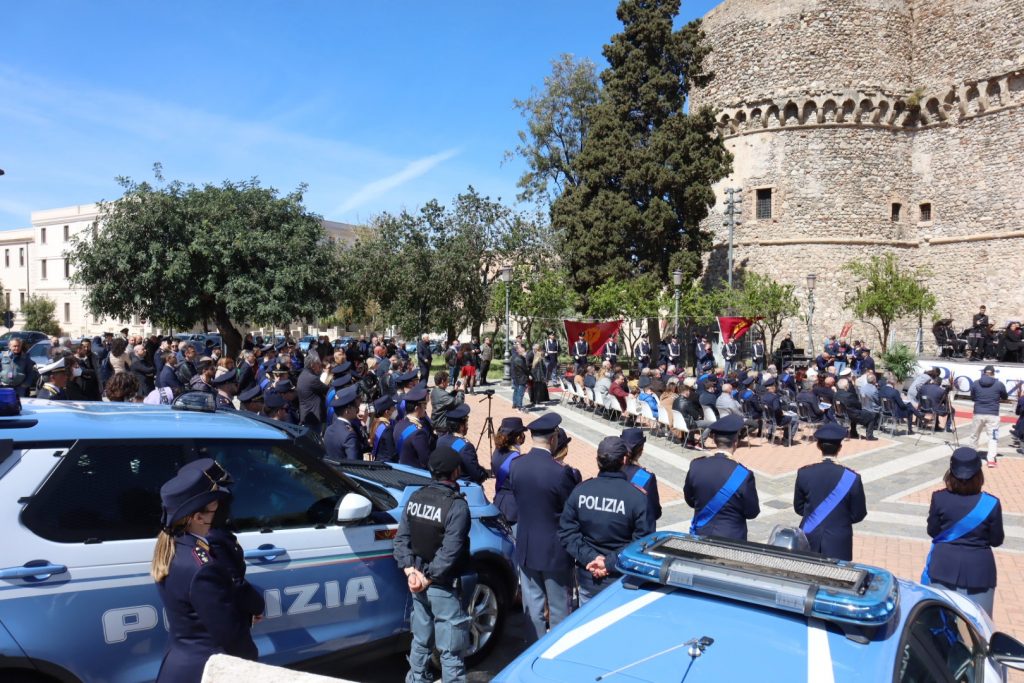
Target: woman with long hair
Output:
[(539, 378), (199, 571), (508, 444), (965, 524), (120, 360)]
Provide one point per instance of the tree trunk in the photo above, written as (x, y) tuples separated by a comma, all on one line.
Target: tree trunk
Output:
[(228, 332), (654, 337)]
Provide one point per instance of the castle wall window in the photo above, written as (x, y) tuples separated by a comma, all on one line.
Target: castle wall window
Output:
[(42, 269), (42, 235), (897, 208), (67, 232), (67, 313), (764, 204), (67, 269), (21, 256), (925, 212)]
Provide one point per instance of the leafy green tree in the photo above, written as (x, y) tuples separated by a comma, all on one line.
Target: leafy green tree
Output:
[(774, 302), (887, 292), (632, 299), (39, 315), (647, 165), (535, 294), (180, 254), (557, 119)]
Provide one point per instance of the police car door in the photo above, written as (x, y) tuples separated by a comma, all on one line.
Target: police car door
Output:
[(327, 587)]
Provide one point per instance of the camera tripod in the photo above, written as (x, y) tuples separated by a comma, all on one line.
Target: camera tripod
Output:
[(488, 427)]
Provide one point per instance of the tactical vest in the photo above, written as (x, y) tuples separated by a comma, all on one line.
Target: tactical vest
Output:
[(427, 510), (12, 374)]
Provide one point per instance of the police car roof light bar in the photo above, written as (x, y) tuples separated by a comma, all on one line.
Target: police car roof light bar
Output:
[(767, 576)]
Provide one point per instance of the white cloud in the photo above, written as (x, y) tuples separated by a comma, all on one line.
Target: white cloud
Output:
[(382, 186)]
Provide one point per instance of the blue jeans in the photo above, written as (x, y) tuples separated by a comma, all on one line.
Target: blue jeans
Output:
[(553, 587), (839, 365), (438, 620), (517, 395), (453, 374)]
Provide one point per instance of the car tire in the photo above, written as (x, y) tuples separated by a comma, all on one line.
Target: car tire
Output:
[(488, 609)]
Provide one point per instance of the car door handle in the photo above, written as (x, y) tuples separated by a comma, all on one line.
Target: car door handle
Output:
[(36, 570), (265, 552)]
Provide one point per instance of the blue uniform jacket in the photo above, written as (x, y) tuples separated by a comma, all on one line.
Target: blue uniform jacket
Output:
[(967, 562), (649, 489), (386, 448), (541, 486), (900, 408), (470, 461), (341, 442), (415, 449), (834, 536), (706, 476), (209, 607), (168, 378), (601, 517), (504, 499)]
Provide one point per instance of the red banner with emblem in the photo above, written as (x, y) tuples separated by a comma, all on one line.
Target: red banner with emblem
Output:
[(733, 328), (847, 329), (596, 334)]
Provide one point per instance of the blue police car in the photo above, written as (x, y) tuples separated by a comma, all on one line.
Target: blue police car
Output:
[(694, 609), (80, 508)]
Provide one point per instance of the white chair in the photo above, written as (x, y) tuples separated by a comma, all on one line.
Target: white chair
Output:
[(709, 414), (646, 414), (679, 422), (632, 407), (665, 420), (591, 398), (611, 406)]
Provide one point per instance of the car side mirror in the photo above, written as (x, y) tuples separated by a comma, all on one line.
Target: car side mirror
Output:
[(354, 508), (1006, 650)]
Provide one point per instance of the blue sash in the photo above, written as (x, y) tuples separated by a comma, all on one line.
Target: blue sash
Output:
[(502, 475), (406, 433), (715, 505), (984, 507), (377, 433), (328, 400), (264, 383), (833, 499), (640, 479)]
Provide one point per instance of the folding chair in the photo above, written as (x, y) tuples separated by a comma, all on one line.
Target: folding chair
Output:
[(665, 420), (647, 415), (632, 407), (679, 422), (887, 417)]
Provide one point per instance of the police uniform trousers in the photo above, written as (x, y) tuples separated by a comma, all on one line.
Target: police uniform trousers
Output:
[(554, 586), (438, 620), (588, 586)]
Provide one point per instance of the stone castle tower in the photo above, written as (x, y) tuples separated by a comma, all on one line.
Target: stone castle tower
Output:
[(861, 127)]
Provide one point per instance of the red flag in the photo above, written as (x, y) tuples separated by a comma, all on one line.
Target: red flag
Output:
[(596, 334), (734, 327), (847, 328)]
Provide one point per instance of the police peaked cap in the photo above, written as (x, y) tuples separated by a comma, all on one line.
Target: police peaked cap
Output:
[(562, 441), (770, 382), (341, 381), (281, 369), (345, 398), (284, 386), (417, 395), (223, 378), (964, 463), (341, 369), (195, 486), (545, 424), (512, 425), (728, 425), (274, 400), (459, 412), (251, 394), (383, 404), (58, 365), (612, 447), (831, 432), (633, 438), (444, 460)]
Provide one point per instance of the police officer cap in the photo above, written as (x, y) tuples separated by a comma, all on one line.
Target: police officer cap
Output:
[(341, 381), (274, 400), (770, 382), (383, 404), (545, 424), (405, 377), (281, 369), (512, 425), (284, 386), (443, 460), (251, 394), (964, 463), (341, 369), (730, 424), (225, 378), (345, 398), (830, 431), (195, 486), (459, 412), (633, 438), (612, 448), (56, 366), (562, 440), (747, 381), (845, 372), (416, 395)]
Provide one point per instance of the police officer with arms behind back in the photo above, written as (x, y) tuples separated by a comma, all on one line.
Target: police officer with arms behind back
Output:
[(602, 516), (830, 498), (721, 491), (432, 547), (639, 477)]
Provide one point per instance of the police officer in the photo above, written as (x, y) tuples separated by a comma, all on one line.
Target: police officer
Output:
[(458, 424), (580, 351), (226, 385), (551, 350), (508, 447), (252, 398), (757, 355), (611, 351), (432, 547), (723, 515), (338, 382), (730, 352), (412, 437), (675, 352), (541, 486), (642, 479), (642, 352), (382, 434), (601, 517), (55, 379), (200, 575), (276, 408), (829, 497), (341, 440)]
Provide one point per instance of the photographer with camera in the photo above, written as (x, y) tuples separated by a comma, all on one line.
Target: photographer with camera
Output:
[(442, 400)]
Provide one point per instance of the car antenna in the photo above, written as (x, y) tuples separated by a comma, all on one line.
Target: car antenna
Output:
[(696, 645)]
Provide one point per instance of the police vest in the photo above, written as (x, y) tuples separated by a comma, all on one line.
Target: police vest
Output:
[(427, 511), (12, 374)]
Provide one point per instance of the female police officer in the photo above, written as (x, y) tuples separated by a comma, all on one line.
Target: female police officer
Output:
[(200, 574), (965, 524)]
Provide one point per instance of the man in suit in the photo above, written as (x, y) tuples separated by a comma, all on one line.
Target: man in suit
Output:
[(143, 369), (710, 475), (311, 391), (851, 404), (541, 487), (423, 356), (773, 409), (901, 410), (830, 498)]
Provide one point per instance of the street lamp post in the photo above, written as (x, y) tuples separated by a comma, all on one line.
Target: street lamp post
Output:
[(812, 280), (677, 280), (506, 277)]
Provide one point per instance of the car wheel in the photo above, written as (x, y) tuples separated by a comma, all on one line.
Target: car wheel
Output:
[(487, 610)]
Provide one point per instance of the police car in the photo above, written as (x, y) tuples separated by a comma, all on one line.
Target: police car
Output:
[(80, 508), (694, 609)]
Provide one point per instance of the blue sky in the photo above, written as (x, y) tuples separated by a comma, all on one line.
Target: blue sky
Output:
[(377, 106)]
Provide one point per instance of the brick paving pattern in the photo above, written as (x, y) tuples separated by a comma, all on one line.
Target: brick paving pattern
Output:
[(1006, 482)]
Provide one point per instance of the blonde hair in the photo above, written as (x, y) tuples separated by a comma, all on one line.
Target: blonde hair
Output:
[(163, 553)]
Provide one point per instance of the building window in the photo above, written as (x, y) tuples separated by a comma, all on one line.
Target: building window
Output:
[(7, 300), (42, 235), (21, 298), (21, 256), (67, 313), (42, 269), (67, 269), (764, 204), (896, 209), (67, 232), (7, 258), (926, 212)]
